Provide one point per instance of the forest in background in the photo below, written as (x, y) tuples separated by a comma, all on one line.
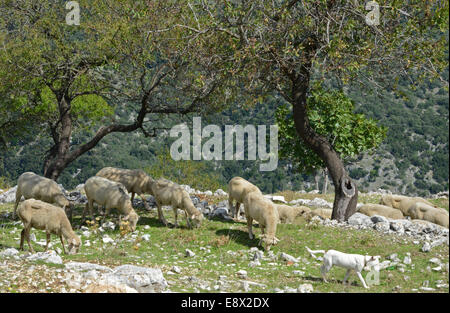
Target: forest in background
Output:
[(413, 159)]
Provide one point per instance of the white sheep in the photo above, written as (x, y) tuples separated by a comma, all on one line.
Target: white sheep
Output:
[(170, 193), (371, 209), (322, 212), (33, 186), (238, 188), (265, 213), (288, 213), (110, 195), (402, 203), (52, 219), (135, 181), (428, 213)]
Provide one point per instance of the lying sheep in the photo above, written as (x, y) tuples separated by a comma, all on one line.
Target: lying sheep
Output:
[(238, 188), (288, 213), (428, 213), (135, 181), (265, 213), (402, 203), (33, 186), (52, 219), (110, 195), (371, 209), (170, 193), (323, 213)]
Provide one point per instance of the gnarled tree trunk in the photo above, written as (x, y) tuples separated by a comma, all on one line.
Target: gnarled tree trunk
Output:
[(346, 193)]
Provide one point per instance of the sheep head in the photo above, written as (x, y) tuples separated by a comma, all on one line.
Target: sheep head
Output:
[(132, 218), (197, 219), (268, 241), (74, 244)]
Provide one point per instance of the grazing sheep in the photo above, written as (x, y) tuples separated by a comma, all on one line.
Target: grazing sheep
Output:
[(402, 203), (33, 186), (428, 213), (135, 181), (52, 219), (110, 195), (323, 213), (170, 193), (238, 188), (288, 213), (265, 213), (370, 209)]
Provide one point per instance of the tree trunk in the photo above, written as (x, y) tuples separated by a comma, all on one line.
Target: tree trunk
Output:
[(325, 181), (316, 181), (56, 161), (346, 193)]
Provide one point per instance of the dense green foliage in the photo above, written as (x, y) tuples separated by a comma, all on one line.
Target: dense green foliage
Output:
[(331, 115)]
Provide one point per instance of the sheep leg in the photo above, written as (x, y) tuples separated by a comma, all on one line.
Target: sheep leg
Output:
[(22, 237), (160, 214), (249, 225), (83, 216), (107, 209), (175, 211), (147, 207), (362, 280), (187, 220), (346, 276), (132, 196), (237, 210), (62, 243), (48, 241), (18, 197), (27, 235), (230, 206)]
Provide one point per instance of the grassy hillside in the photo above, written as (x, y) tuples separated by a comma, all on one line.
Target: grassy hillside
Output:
[(223, 248)]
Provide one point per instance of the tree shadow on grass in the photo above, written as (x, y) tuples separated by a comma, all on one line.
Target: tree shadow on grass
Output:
[(3, 246), (239, 236)]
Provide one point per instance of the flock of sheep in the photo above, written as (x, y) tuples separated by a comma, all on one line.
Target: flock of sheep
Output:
[(46, 207)]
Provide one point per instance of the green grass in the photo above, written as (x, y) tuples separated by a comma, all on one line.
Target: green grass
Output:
[(226, 250)]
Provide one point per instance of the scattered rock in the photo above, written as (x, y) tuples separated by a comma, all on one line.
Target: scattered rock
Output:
[(189, 253), (305, 288), (360, 219), (288, 258), (220, 192), (382, 226), (9, 252), (379, 219), (426, 247), (47, 257), (107, 239), (9, 196), (242, 274)]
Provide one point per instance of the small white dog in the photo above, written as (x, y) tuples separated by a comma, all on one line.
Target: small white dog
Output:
[(351, 262)]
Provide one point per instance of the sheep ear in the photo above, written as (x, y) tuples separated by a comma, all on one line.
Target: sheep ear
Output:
[(192, 217)]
